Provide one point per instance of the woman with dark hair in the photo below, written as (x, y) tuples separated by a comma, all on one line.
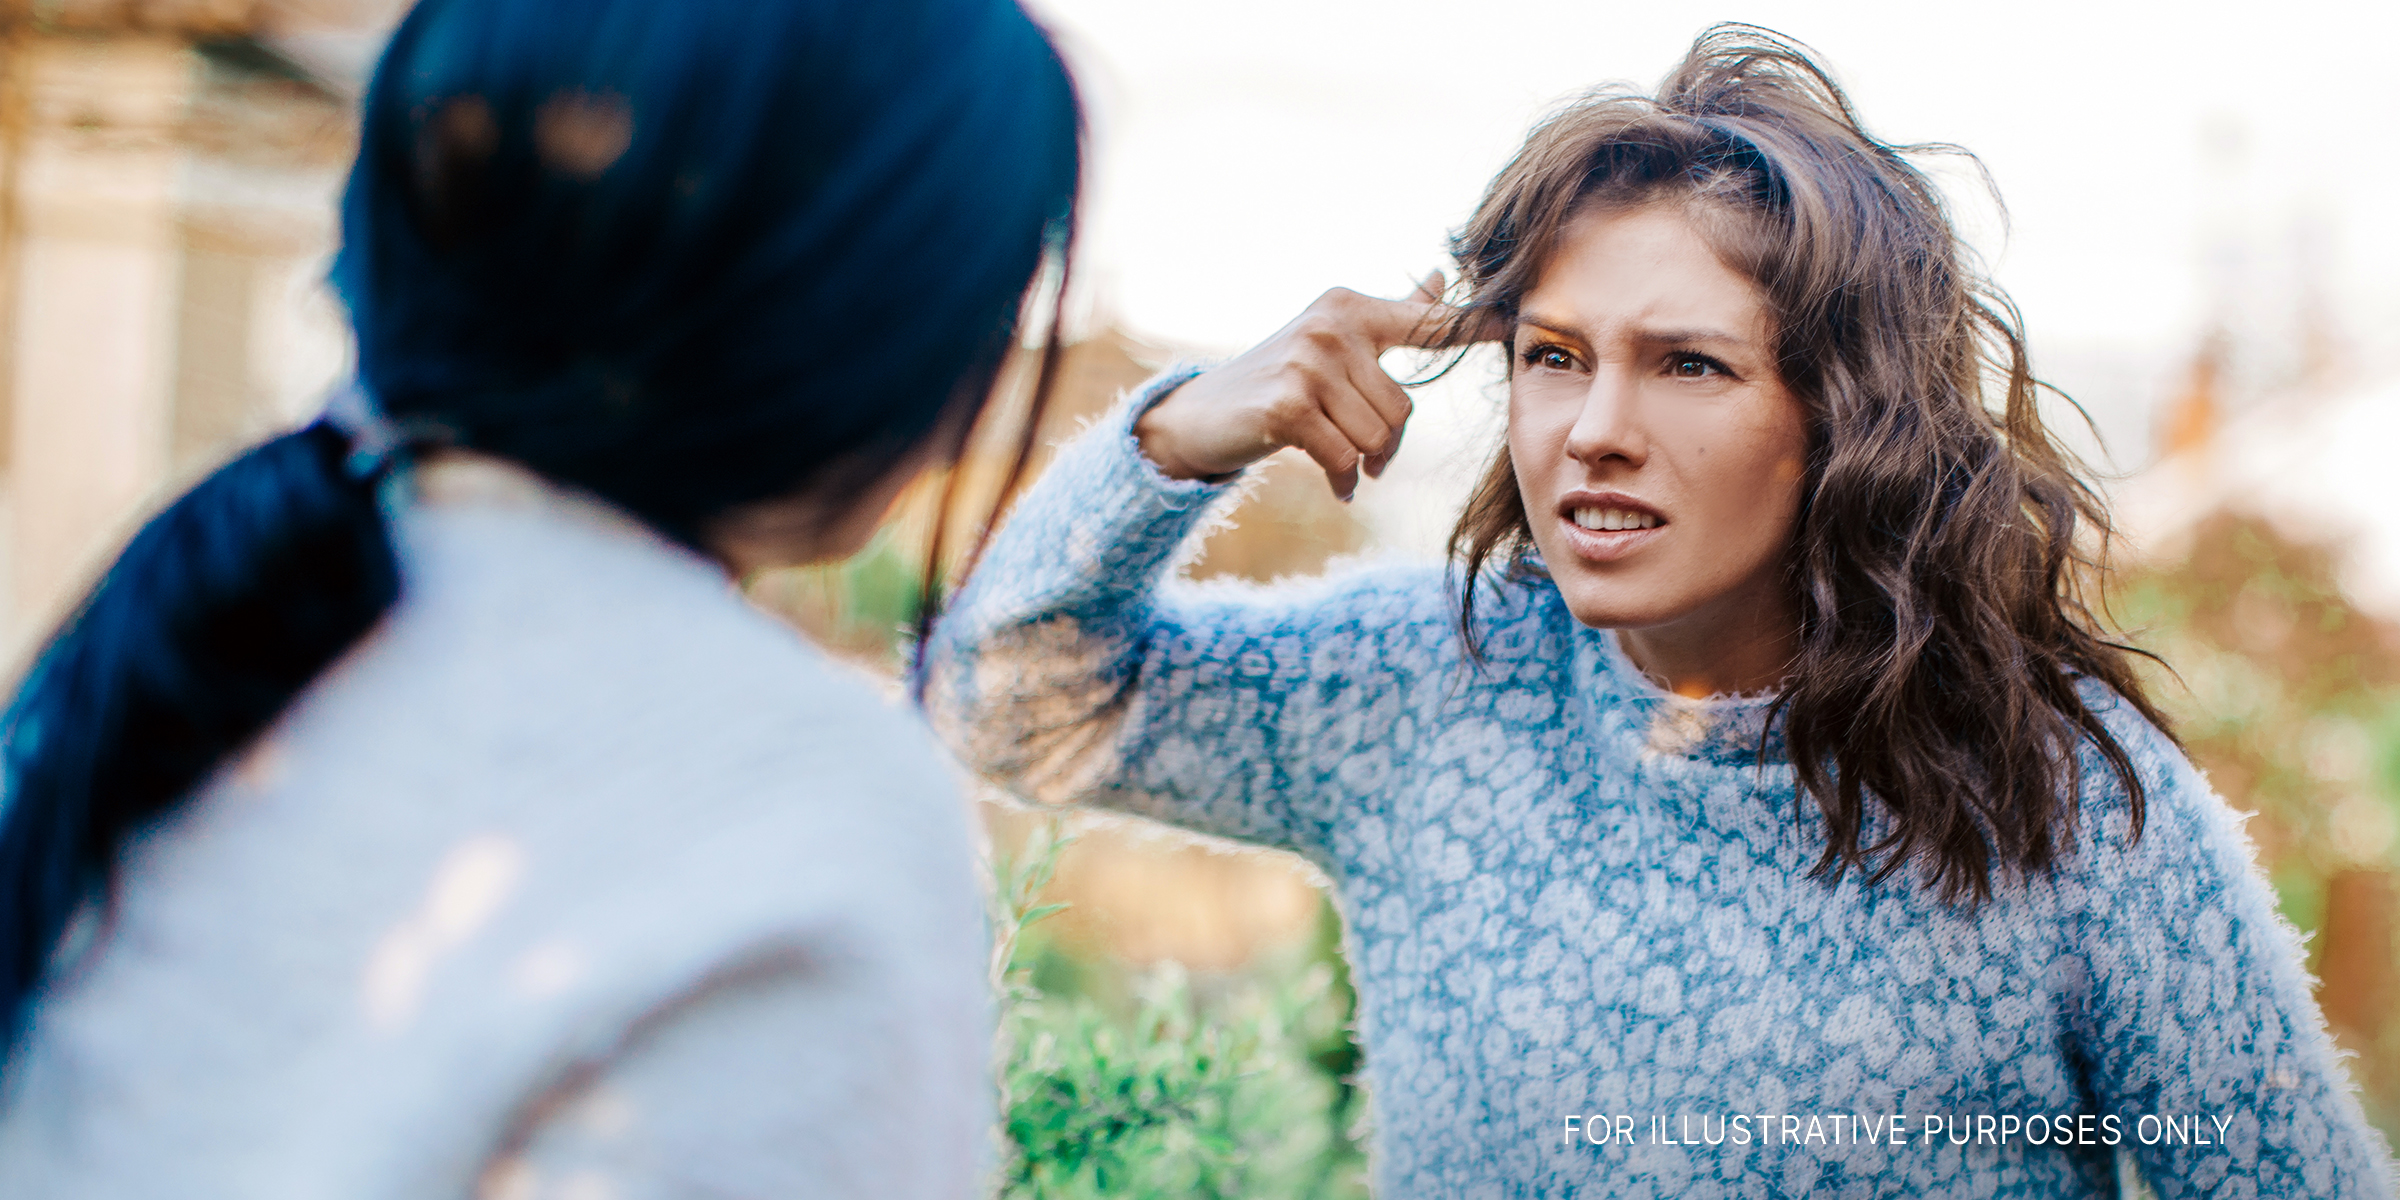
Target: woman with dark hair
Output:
[(414, 808), (1759, 809)]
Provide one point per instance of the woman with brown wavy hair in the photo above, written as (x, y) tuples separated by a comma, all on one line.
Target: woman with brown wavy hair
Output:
[(1756, 808)]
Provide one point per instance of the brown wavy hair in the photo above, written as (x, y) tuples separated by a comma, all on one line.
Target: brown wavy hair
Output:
[(1946, 543)]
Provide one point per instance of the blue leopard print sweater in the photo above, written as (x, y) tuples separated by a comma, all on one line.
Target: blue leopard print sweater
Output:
[(1589, 958)]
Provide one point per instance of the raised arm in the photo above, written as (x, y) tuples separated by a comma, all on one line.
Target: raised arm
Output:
[(2201, 1011), (1069, 672)]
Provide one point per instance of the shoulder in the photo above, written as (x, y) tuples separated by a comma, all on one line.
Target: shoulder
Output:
[(657, 775), (2178, 842), (538, 661), (2169, 784)]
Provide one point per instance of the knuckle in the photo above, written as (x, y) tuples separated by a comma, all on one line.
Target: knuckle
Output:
[(1303, 376), (1289, 407), (1321, 333)]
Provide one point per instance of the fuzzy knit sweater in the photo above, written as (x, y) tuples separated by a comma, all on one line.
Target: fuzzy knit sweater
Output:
[(1589, 958), (578, 877)]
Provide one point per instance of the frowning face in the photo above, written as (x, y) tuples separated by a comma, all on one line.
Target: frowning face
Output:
[(1659, 454)]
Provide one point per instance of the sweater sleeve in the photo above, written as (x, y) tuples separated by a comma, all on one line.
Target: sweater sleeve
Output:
[(2204, 1038), (1073, 670)]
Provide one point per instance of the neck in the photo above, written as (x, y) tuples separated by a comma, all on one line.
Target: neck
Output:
[(1749, 648), (454, 477)]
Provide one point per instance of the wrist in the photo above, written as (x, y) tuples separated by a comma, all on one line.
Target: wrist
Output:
[(1156, 436)]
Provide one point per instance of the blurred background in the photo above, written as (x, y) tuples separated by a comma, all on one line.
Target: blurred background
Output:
[(2198, 230)]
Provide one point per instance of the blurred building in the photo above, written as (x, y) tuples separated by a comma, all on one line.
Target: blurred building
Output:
[(167, 176)]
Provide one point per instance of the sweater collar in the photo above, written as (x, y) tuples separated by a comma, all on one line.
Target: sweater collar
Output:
[(1719, 729)]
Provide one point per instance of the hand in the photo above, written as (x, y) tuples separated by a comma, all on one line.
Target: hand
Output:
[(1317, 385)]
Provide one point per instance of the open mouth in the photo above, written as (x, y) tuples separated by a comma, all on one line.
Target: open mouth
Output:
[(1609, 526)]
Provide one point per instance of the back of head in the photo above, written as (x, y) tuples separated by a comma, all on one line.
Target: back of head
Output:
[(1944, 537), (686, 255)]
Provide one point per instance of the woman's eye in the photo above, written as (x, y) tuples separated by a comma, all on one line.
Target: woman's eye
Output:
[(1551, 357), (1693, 366)]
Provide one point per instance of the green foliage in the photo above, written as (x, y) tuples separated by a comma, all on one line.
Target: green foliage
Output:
[(2284, 693), (1171, 1094), (1176, 1102), (1017, 880)]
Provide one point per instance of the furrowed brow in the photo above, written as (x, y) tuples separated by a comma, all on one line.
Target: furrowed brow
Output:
[(1563, 329), (1694, 336)]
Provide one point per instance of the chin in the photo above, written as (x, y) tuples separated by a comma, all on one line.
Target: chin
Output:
[(1614, 606)]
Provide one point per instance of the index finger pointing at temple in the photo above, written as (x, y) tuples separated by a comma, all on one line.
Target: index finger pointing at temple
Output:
[(1425, 326)]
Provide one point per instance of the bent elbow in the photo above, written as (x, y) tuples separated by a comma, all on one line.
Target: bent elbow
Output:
[(1034, 708)]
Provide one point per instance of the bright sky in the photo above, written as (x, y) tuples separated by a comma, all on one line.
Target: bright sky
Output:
[(1251, 153)]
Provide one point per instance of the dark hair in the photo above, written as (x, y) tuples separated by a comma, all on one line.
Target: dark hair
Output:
[(686, 255), (1944, 545)]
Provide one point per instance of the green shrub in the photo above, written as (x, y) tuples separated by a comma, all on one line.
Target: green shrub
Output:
[(1243, 1095)]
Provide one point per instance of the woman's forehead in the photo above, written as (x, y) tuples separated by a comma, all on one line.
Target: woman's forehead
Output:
[(1647, 272)]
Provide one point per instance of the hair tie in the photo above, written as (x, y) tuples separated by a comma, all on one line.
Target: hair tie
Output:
[(376, 440)]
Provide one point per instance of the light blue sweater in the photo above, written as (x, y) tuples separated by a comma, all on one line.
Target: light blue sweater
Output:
[(1589, 959)]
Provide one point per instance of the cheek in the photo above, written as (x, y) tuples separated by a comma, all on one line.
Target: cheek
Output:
[(1786, 468), (1769, 501), (1763, 457), (1743, 479), (851, 532), (1537, 431)]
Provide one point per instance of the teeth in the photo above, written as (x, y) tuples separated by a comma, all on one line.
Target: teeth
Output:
[(1614, 518)]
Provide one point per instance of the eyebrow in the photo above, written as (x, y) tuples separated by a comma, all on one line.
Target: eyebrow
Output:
[(1648, 335)]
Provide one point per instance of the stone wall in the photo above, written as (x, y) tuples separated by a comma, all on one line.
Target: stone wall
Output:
[(167, 190)]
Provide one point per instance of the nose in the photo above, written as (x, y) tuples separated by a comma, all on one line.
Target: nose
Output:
[(1609, 426)]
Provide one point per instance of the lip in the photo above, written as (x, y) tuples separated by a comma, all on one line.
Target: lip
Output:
[(1609, 545)]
